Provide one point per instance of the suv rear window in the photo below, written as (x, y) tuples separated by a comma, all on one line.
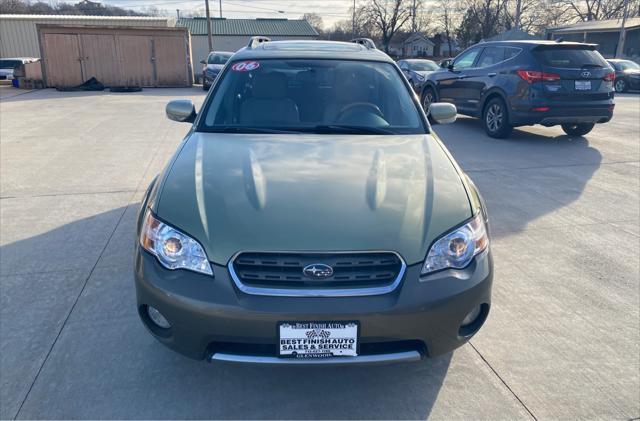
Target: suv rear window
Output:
[(309, 95), (570, 58)]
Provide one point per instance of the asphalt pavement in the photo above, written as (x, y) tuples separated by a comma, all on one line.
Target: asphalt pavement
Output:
[(562, 340)]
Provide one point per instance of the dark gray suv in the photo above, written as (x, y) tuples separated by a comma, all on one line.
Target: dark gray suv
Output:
[(517, 83)]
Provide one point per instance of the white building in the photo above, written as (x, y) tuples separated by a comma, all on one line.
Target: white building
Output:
[(417, 45)]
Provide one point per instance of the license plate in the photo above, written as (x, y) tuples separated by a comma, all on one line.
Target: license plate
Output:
[(318, 339), (583, 85)]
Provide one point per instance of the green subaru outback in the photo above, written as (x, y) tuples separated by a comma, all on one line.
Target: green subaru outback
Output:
[(311, 216)]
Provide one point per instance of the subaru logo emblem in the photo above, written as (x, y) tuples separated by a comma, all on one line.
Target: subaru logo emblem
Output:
[(317, 271), (585, 74)]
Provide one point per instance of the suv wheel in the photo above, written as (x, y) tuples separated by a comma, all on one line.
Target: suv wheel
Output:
[(495, 119), (428, 98), (579, 129), (620, 85)]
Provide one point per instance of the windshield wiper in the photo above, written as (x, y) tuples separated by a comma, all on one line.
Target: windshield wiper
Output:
[(591, 66), (238, 129), (343, 128)]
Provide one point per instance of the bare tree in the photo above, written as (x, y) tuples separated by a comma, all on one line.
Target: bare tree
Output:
[(446, 21), (388, 16), (315, 20), (600, 9)]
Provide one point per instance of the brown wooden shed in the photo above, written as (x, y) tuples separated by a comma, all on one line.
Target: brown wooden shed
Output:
[(116, 56)]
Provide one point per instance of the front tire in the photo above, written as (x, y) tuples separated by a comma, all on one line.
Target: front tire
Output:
[(428, 98), (495, 119), (620, 85), (579, 129)]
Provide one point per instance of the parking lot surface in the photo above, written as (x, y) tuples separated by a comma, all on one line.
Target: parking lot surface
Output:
[(562, 340)]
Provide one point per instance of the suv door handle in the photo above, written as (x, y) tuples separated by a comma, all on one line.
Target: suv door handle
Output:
[(492, 74)]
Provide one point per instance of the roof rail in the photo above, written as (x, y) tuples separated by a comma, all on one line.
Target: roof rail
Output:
[(255, 41), (367, 42)]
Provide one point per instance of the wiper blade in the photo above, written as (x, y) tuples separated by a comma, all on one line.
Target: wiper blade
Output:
[(591, 66), (343, 128)]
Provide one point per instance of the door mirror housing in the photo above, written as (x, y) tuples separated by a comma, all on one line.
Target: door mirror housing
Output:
[(443, 112), (445, 64), (181, 110), (203, 61)]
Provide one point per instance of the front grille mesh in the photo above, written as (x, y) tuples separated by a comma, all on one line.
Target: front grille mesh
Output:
[(285, 270)]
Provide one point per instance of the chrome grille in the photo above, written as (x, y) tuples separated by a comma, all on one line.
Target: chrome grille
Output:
[(282, 273)]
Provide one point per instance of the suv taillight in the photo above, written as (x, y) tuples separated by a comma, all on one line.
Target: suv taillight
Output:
[(532, 76), (609, 77)]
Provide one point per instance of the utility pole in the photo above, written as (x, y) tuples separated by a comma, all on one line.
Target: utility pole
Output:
[(178, 13), (220, 7), (206, 5), (518, 12), (623, 32), (353, 20)]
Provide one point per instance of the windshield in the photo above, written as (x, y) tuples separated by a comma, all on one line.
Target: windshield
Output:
[(9, 64), (323, 96), (570, 58), (423, 65), (218, 58), (626, 65)]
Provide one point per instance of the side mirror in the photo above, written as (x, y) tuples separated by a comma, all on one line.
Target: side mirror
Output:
[(443, 112), (181, 110), (445, 63), (203, 61)]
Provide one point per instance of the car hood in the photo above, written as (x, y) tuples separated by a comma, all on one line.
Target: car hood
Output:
[(307, 192), (631, 72)]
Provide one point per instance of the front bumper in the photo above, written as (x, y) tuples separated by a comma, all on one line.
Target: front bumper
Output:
[(209, 78), (211, 319)]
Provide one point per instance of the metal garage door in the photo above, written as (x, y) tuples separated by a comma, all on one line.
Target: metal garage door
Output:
[(116, 56)]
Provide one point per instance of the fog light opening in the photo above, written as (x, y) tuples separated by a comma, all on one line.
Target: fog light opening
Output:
[(157, 318), (474, 320), (471, 316)]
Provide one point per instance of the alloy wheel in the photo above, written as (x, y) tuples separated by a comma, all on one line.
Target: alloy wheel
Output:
[(427, 100), (494, 117)]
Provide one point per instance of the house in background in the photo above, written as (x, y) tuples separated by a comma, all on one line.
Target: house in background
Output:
[(417, 45), (233, 34), (605, 33)]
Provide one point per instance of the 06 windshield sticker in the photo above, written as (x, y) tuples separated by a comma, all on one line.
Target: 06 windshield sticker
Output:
[(245, 66)]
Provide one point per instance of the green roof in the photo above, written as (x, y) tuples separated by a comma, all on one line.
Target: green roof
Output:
[(249, 27)]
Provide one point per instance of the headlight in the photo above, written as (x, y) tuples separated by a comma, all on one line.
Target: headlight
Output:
[(456, 249), (173, 249), (421, 78)]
